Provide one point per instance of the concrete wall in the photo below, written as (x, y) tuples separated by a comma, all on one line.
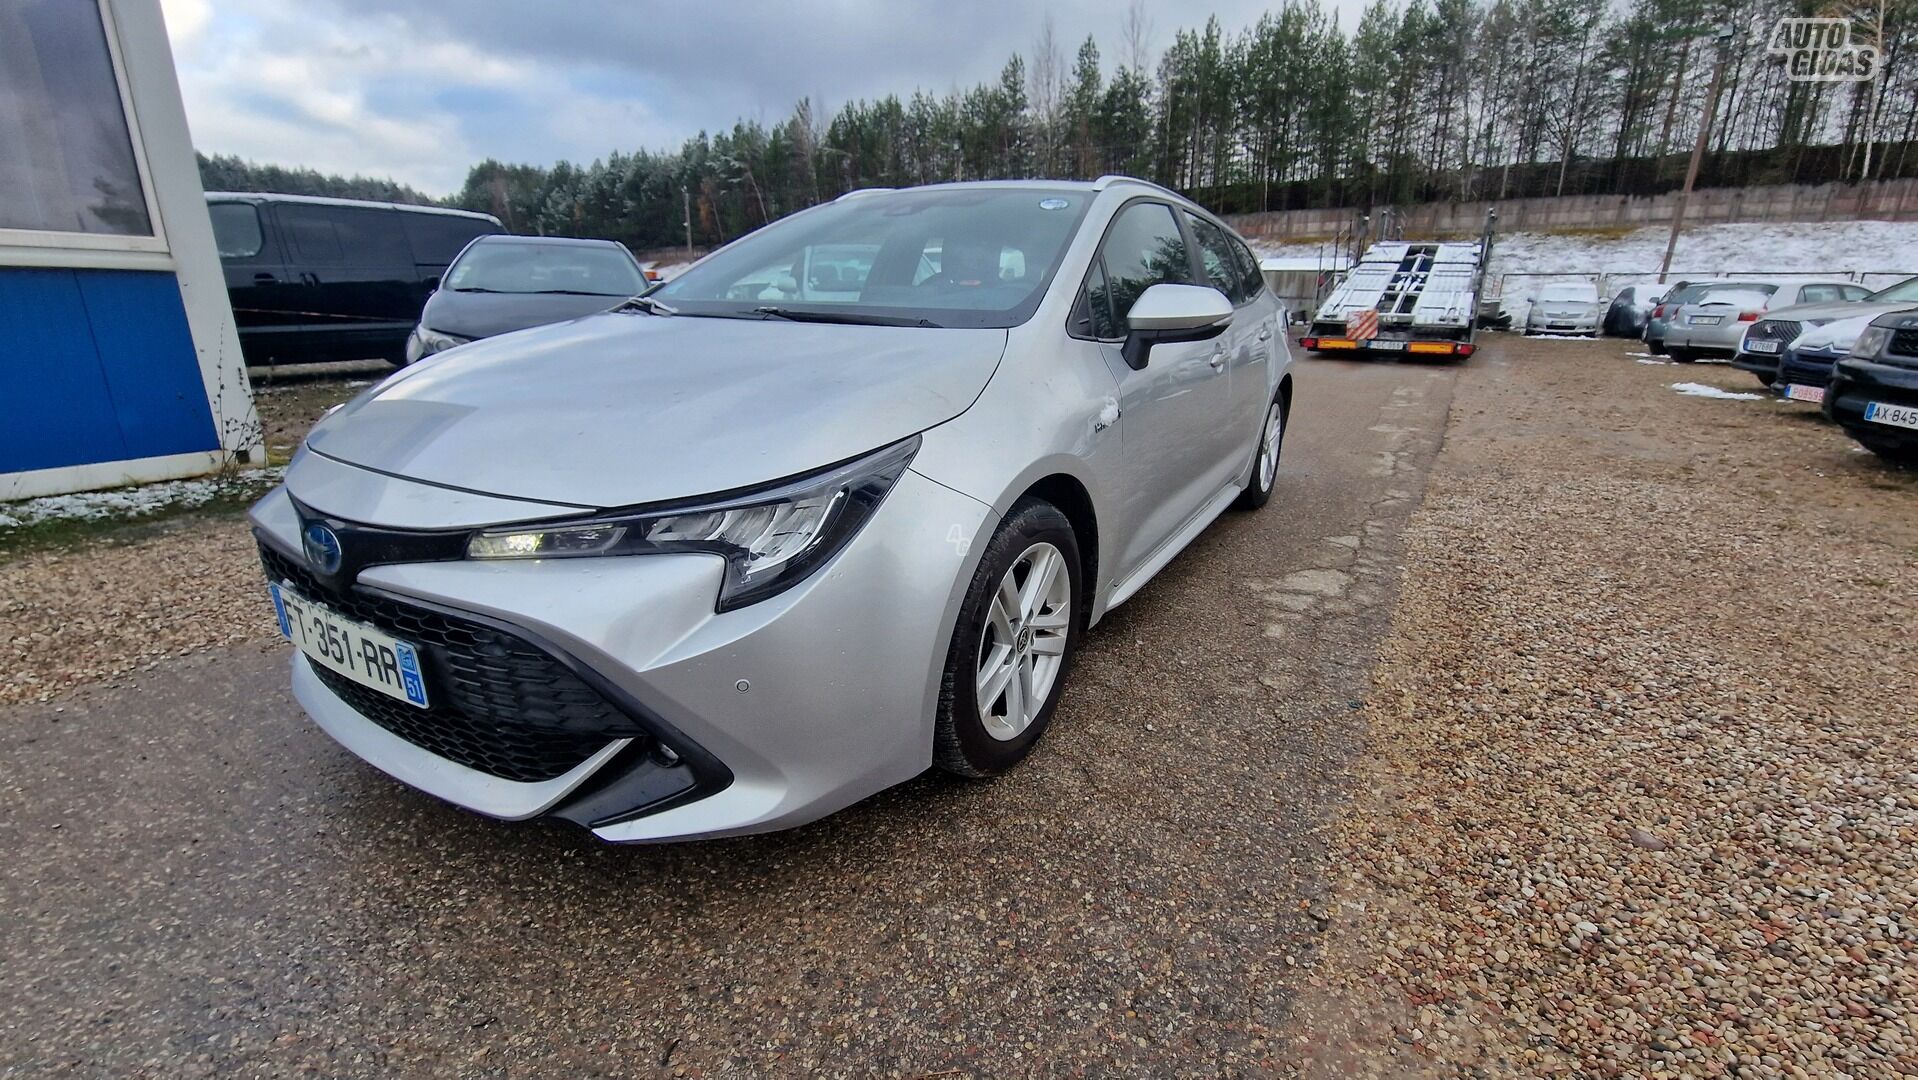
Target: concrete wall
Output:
[(1882, 200)]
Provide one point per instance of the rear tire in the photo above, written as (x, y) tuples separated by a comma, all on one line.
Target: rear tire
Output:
[(1265, 460), (1656, 348), (1005, 640), (1684, 356)]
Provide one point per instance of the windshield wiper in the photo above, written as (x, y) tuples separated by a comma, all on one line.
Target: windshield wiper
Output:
[(473, 288), (646, 304), (571, 292), (847, 318)]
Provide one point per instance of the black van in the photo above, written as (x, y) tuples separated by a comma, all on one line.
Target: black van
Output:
[(332, 279)]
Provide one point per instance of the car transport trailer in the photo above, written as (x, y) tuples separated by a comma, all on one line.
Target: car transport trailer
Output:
[(1406, 297)]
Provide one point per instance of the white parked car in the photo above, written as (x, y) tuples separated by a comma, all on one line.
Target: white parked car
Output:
[(1565, 307)]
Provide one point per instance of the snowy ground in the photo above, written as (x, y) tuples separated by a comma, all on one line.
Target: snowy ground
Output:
[(133, 503), (1877, 253)]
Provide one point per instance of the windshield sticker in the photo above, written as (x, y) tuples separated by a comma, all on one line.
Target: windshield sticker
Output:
[(1053, 204)]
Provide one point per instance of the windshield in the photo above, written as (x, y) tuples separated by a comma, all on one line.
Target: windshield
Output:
[(976, 257), (1573, 291), (519, 267), (1903, 291)]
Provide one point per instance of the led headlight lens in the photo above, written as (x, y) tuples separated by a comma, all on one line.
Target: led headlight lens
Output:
[(770, 539), (422, 343)]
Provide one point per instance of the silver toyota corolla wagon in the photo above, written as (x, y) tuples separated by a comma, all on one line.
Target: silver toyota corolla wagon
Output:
[(837, 504)]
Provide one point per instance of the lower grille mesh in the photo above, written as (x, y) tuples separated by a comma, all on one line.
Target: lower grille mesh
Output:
[(500, 704)]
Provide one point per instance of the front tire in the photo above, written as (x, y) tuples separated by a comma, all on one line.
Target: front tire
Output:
[(1265, 463), (1012, 646)]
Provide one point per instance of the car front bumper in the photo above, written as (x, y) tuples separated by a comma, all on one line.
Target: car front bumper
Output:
[(1763, 365), (1801, 368), (778, 713), (1857, 383)]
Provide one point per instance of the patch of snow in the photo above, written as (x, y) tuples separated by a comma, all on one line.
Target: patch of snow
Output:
[(134, 502), (1701, 390), (1647, 358)]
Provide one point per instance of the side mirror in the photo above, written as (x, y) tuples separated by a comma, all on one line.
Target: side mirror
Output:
[(1168, 313)]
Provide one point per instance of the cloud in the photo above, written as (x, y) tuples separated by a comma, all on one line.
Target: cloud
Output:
[(419, 89)]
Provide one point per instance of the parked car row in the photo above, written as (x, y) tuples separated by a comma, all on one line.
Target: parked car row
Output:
[(314, 279), (1828, 342), (1856, 358)]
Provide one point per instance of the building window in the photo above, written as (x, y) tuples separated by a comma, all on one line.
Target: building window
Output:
[(66, 160)]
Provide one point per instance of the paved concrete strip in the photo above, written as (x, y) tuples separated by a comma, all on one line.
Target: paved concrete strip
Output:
[(199, 881)]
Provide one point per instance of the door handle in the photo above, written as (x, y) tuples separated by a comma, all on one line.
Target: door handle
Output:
[(1265, 334), (264, 278), (1217, 359)]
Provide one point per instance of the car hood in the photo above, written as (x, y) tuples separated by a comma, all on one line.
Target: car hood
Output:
[(1833, 310), (480, 315), (619, 409)]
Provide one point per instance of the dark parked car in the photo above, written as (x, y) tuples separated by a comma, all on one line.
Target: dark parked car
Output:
[(1874, 389), (502, 283), (332, 279), (1631, 309)]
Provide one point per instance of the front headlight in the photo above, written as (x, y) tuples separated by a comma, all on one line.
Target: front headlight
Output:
[(770, 539), (422, 343), (1870, 343)]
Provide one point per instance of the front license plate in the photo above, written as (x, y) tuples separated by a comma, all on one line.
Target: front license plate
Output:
[(1705, 320), (352, 649), (1905, 416), (1801, 392), (1386, 346), (1761, 346)]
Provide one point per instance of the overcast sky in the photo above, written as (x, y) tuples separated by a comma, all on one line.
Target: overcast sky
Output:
[(419, 89)]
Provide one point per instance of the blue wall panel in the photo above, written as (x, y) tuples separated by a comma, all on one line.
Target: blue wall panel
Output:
[(54, 405), (96, 365), (146, 352)]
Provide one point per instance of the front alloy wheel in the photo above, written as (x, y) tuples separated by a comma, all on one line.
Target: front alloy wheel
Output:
[(1024, 642), (1012, 643)]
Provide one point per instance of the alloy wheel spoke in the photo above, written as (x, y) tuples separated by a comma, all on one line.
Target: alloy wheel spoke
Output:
[(1049, 644), (994, 674), (1039, 581), (1029, 698)]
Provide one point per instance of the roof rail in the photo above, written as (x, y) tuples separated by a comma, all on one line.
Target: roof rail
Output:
[(1110, 179), (856, 192)]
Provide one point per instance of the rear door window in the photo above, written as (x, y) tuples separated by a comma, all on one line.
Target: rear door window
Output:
[(437, 238), (1221, 265), (309, 235), (370, 237), (1819, 294)]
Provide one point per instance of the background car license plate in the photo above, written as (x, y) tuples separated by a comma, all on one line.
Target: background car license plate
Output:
[(1800, 392), (1761, 346), (1905, 416), (1388, 346), (1704, 320), (350, 648)]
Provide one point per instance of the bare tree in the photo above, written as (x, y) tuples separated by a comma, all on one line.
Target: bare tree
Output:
[(1043, 81), (1137, 32)]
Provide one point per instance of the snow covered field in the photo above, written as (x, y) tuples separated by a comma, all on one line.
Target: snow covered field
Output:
[(1882, 252)]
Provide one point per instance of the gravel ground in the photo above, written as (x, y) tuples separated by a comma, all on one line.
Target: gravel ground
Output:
[(1641, 790), (201, 882), (116, 600)]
